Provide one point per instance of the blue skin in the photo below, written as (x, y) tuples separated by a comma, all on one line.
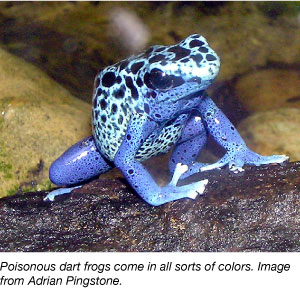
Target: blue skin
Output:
[(141, 107)]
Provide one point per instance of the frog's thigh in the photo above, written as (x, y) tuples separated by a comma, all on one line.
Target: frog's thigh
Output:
[(190, 144), (79, 163)]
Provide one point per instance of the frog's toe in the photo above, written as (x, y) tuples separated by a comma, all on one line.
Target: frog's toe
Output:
[(270, 159), (179, 170), (171, 193), (197, 188), (235, 168), (219, 164), (237, 160), (193, 169), (253, 158), (53, 194)]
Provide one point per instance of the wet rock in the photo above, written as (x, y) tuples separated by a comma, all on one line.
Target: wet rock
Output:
[(273, 132), (269, 89), (39, 120), (257, 210)]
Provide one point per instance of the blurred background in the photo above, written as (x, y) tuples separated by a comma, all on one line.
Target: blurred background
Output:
[(50, 53)]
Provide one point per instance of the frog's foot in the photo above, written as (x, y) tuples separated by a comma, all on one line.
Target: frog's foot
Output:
[(237, 159), (180, 169), (195, 167), (51, 196), (171, 192)]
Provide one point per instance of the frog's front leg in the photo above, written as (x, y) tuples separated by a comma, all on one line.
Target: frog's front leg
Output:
[(237, 153), (189, 146), (139, 128)]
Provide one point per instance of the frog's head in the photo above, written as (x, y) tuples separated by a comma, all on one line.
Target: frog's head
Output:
[(182, 69), (160, 74)]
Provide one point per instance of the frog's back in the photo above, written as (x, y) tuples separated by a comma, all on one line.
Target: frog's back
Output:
[(113, 104), (116, 98)]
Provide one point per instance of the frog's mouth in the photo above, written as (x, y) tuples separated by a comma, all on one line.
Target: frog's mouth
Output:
[(182, 93), (193, 95)]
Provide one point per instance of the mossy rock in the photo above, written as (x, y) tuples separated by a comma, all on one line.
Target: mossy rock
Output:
[(273, 132), (39, 119)]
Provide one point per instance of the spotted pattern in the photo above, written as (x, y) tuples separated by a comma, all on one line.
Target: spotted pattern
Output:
[(153, 83)]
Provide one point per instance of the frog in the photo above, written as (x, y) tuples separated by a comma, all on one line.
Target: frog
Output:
[(147, 104)]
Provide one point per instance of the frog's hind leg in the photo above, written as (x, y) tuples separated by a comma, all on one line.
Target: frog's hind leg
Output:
[(188, 147), (79, 163), (237, 153)]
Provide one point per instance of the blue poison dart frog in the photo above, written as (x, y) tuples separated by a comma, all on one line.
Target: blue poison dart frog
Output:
[(144, 105)]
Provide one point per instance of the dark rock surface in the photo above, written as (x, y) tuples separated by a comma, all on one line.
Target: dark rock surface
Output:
[(257, 210)]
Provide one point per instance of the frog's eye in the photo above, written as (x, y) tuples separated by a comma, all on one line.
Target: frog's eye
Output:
[(159, 79)]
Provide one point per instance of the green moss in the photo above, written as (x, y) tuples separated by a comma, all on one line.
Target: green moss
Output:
[(4, 102), (46, 185), (13, 191), (28, 189), (6, 168)]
